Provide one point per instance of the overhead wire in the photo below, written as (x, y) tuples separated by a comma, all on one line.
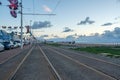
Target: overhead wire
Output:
[(59, 1)]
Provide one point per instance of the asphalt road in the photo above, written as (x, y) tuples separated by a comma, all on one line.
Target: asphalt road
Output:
[(42, 62)]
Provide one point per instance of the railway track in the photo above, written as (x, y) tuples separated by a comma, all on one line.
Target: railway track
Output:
[(93, 58), (49, 63), (109, 76), (56, 75), (12, 75), (11, 61), (6, 55), (106, 67), (53, 75)]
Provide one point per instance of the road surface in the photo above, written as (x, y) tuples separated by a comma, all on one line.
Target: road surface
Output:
[(43, 62)]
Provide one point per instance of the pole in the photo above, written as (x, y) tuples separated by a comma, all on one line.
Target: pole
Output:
[(30, 26), (30, 33), (21, 26)]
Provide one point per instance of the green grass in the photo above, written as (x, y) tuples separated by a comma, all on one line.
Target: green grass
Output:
[(54, 44), (112, 51)]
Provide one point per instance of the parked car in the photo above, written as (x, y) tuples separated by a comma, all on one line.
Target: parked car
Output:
[(8, 45), (17, 43), (1, 47), (26, 42)]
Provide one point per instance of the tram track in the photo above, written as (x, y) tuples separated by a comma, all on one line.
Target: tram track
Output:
[(112, 69), (42, 62), (109, 76), (49, 70), (8, 67)]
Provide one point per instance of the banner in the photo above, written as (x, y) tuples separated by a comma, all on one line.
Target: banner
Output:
[(13, 7), (13, 13), (3, 27)]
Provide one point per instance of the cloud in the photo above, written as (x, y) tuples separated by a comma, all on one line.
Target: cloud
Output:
[(38, 25), (70, 37), (45, 35), (117, 18), (46, 8), (107, 37), (67, 29), (86, 21), (42, 37), (54, 36), (112, 34), (107, 24)]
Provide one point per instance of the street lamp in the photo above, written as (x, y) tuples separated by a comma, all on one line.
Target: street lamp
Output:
[(21, 25), (30, 32), (30, 26)]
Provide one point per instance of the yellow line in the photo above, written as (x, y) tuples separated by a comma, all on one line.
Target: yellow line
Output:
[(101, 73)]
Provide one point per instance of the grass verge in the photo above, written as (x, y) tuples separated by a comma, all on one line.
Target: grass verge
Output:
[(54, 44), (107, 51)]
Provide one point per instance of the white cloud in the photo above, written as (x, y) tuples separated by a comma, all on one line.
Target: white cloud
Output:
[(46, 8), (106, 37), (67, 29), (40, 24), (86, 21)]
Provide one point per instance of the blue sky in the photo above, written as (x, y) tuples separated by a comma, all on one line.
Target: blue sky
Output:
[(68, 14)]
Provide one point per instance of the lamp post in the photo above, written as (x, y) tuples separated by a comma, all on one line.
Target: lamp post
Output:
[(21, 25), (30, 32), (30, 26)]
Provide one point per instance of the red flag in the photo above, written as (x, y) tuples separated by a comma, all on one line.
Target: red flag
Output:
[(13, 13), (13, 7), (13, 4), (13, 1)]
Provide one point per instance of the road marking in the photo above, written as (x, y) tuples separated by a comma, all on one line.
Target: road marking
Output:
[(58, 76), (96, 59), (14, 72), (9, 58), (101, 73)]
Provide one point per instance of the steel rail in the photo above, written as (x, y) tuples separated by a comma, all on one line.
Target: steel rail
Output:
[(88, 67), (11, 77), (56, 73), (9, 58), (95, 58)]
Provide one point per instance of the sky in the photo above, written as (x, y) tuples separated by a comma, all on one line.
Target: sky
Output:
[(73, 17)]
